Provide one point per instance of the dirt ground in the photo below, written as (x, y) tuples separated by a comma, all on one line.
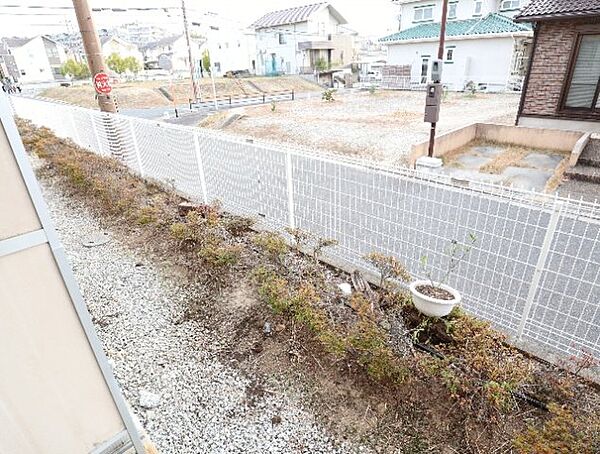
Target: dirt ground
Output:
[(382, 125), (146, 94)]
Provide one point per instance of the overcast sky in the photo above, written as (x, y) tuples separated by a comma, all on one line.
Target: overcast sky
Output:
[(368, 17)]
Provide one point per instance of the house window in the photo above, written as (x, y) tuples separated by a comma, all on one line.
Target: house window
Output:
[(478, 8), (584, 83), (450, 54), (423, 13), (508, 5), (424, 68), (452, 10), (282, 39)]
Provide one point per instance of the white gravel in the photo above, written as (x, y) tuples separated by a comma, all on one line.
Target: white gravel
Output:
[(198, 404)]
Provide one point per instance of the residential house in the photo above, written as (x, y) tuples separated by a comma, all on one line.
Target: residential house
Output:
[(230, 45), (302, 39), (484, 48), (115, 45), (562, 89), (173, 48), (38, 59), (8, 65)]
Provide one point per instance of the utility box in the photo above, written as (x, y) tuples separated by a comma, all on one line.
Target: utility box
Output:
[(432, 102), (437, 67)]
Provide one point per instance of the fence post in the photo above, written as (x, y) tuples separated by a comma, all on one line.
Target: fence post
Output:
[(540, 266), (263, 98), (95, 131), (75, 137), (290, 189), (200, 169), (293, 96), (136, 148)]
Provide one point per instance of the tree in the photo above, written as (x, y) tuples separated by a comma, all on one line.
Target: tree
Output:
[(121, 65), (206, 61), (75, 69)]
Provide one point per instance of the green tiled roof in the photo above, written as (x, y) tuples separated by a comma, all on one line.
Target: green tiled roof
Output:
[(491, 24)]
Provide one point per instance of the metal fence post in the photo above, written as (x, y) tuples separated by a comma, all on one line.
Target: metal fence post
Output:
[(200, 169), (95, 131), (136, 148), (290, 190), (540, 266), (75, 137)]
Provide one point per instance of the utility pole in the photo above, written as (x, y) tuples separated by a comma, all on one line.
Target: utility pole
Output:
[(440, 58), (190, 57), (93, 51)]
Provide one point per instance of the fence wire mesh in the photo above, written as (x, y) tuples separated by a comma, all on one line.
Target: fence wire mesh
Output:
[(534, 271)]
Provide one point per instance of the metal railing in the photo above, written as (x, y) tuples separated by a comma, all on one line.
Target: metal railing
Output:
[(534, 271)]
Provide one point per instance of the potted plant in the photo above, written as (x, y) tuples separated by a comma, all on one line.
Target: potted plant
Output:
[(435, 298)]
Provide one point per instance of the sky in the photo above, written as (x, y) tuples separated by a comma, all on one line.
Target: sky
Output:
[(368, 17)]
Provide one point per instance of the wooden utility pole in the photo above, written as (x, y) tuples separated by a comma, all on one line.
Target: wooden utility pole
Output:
[(190, 56), (440, 57), (93, 51)]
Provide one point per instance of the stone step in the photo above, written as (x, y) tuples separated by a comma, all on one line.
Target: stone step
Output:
[(587, 173), (591, 154)]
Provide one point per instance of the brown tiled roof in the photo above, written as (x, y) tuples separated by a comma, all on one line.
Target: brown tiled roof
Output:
[(556, 9)]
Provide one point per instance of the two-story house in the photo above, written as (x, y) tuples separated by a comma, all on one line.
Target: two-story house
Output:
[(38, 59), (484, 48), (302, 40), (115, 45)]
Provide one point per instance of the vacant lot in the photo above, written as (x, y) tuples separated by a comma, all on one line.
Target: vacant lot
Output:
[(141, 95), (382, 125)]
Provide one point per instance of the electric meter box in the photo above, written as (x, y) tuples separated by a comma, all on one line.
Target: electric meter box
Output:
[(434, 94), (437, 67), (432, 114)]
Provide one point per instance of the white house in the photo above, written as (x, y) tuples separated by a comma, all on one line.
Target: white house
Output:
[(231, 46), (298, 40), (175, 48), (484, 47), (38, 59), (115, 45)]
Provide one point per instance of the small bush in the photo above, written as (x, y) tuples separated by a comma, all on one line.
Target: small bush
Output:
[(147, 215), (328, 95), (273, 245), (389, 268), (218, 257), (238, 225), (562, 433)]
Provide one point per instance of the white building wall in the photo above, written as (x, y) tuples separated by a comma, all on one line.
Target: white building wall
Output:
[(483, 61), (32, 61), (124, 50), (287, 57)]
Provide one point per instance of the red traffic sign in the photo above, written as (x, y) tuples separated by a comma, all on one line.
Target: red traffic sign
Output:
[(102, 83)]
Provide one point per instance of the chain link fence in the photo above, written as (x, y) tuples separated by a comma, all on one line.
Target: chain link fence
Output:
[(534, 271)]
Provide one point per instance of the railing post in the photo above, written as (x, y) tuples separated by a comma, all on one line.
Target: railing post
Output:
[(293, 95), (75, 137), (263, 98), (136, 148), (290, 190), (95, 131), (229, 99), (200, 169), (540, 266)]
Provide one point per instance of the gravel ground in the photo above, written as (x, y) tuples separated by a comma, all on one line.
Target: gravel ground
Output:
[(200, 404), (383, 125)]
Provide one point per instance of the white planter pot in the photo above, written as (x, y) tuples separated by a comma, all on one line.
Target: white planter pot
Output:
[(433, 307)]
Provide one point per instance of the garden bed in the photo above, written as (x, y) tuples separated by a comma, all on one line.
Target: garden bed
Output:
[(373, 368)]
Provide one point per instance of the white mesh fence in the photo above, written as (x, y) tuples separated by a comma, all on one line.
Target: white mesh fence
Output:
[(534, 271)]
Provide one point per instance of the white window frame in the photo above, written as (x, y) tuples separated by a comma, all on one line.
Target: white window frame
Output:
[(422, 9), (450, 5), (478, 3), (512, 5)]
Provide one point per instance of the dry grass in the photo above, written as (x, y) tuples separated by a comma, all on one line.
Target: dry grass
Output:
[(510, 157), (556, 179), (145, 94)]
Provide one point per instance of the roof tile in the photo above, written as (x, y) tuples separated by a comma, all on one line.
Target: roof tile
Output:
[(546, 9), (490, 24)]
